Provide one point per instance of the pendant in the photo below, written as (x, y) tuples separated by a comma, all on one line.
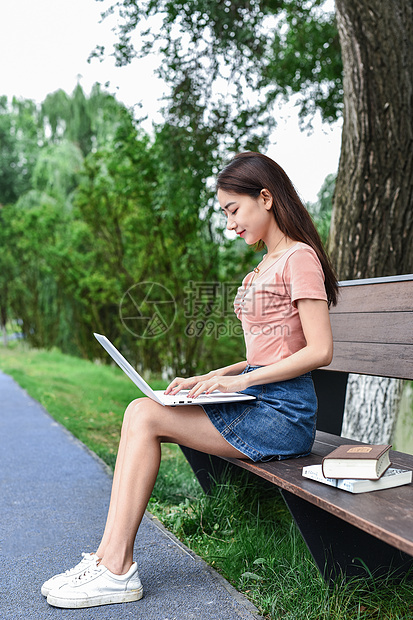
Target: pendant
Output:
[(256, 270)]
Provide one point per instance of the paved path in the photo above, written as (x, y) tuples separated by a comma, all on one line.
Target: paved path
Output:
[(53, 501)]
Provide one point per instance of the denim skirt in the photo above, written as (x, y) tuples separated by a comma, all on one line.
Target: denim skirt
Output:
[(279, 424)]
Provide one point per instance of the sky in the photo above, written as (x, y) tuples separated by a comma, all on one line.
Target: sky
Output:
[(45, 44)]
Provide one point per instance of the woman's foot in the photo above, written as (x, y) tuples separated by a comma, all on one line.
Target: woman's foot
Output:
[(88, 559), (97, 586)]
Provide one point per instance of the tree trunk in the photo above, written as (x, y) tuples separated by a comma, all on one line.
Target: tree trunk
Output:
[(4, 332), (3, 315), (372, 404), (372, 220)]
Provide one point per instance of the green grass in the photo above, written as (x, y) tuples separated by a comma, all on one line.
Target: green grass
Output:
[(243, 529)]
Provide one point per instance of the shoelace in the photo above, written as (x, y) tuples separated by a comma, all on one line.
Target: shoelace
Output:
[(76, 568), (87, 574)]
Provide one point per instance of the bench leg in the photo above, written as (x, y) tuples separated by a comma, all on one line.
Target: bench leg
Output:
[(341, 549)]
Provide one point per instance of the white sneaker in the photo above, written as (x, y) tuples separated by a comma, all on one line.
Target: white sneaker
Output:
[(97, 586), (88, 559)]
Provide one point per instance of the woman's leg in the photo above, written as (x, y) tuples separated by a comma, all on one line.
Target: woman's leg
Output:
[(146, 425), (115, 483)]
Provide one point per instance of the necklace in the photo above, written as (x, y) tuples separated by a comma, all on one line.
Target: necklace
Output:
[(257, 269)]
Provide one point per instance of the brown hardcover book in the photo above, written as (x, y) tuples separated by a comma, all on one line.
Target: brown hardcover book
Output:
[(352, 461)]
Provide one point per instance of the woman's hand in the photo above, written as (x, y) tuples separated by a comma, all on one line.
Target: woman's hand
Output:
[(207, 384), (223, 383), (179, 383)]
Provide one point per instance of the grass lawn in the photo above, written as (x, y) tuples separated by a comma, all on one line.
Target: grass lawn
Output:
[(243, 530)]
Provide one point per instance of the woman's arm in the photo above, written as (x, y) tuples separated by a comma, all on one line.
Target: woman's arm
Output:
[(315, 321), (317, 352), (233, 369)]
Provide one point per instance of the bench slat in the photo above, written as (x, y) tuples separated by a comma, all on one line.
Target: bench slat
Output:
[(385, 514), (387, 360), (377, 327), (374, 297)]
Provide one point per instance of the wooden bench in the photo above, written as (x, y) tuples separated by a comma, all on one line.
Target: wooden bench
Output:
[(346, 533)]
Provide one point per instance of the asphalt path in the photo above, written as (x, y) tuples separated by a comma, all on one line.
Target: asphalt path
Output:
[(54, 497)]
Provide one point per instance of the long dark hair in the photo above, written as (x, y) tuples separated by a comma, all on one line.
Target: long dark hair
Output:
[(249, 173)]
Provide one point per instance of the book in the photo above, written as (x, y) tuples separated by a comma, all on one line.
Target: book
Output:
[(393, 477), (352, 461)]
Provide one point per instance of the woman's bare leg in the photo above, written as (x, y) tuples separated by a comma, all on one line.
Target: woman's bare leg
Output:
[(115, 483), (146, 425)]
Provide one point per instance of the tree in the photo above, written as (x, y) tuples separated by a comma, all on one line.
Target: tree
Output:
[(87, 122), (372, 221), (142, 214), (57, 169), (83, 230), (38, 233), (21, 133), (6, 268), (244, 47), (36, 228)]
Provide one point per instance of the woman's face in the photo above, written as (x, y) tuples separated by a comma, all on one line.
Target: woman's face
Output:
[(251, 218)]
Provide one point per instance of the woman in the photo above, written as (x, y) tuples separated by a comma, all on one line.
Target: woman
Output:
[(283, 307)]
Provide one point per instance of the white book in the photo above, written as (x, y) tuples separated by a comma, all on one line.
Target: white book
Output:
[(393, 477)]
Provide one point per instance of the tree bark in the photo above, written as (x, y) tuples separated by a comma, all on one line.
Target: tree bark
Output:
[(372, 220), (372, 404)]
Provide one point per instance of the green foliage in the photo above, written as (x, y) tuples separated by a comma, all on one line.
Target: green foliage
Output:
[(134, 209), (90, 228), (321, 210), (95, 206), (304, 57), (254, 51), (6, 268), (143, 213), (36, 247), (84, 121), (20, 135), (57, 169), (39, 263)]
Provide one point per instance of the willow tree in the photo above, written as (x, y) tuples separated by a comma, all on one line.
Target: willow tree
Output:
[(260, 50)]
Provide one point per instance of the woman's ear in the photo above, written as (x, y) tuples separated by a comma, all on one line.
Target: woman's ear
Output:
[(267, 198)]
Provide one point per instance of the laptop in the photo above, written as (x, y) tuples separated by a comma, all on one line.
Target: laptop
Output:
[(158, 395)]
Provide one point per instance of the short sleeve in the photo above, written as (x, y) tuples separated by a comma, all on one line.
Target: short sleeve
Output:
[(304, 276)]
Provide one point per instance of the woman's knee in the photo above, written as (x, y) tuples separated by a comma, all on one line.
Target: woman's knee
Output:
[(140, 416)]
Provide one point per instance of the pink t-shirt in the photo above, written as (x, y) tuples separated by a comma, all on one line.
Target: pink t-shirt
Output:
[(267, 307)]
